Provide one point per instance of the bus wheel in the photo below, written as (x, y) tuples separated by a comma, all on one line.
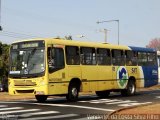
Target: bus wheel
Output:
[(103, 93), (41, 98), (130, 90), (73, 93)]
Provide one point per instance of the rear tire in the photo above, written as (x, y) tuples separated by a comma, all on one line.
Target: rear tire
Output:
[(41, 98), (103, 93), (130, 90), (73, 92)]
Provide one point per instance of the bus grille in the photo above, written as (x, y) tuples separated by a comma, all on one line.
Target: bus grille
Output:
[(24, 83), (24, 91)]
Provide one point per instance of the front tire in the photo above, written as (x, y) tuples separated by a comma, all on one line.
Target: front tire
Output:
[(41, 98), (130, 90), (73, 92)]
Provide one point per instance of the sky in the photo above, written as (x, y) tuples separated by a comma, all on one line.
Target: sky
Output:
[(139, 20)]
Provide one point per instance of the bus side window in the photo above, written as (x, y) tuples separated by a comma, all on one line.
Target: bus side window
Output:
[(55, 59), (113, 58), (72, 55), (103, 56), (142, 58), (118, 57), (134, 58), (129, 58), (122, 58), (50, 57), (151, 59), (88, 56)]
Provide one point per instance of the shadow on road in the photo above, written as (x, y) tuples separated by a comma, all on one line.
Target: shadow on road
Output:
[(63, 100)]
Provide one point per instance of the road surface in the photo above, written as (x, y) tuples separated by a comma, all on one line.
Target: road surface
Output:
[(87, 107)]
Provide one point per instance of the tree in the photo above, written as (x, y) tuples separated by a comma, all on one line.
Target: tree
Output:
[(0, 48), (4, 59), (154, 43)]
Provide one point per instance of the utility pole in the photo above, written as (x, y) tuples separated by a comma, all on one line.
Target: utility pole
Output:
[(105, 34), (98, 22)]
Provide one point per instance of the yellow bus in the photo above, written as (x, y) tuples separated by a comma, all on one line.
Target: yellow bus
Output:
[(47, 67)]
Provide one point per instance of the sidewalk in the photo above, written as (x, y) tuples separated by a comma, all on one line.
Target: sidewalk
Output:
[(147, 112), (144, 109), (143, 112), (4, 96)]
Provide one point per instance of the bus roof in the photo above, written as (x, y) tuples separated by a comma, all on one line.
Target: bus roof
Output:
[(76, 43), (141, 49), (60, 41)]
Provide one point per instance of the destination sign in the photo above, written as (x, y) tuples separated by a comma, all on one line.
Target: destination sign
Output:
[(28, 44)]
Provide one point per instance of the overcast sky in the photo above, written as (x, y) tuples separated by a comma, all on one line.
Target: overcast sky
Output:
[(139, 20)]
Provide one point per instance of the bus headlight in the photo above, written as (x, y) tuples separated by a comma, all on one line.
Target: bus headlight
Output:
[(42, 83)]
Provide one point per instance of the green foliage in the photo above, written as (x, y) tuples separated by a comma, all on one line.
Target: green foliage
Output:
[(4, 59), (0, 48)]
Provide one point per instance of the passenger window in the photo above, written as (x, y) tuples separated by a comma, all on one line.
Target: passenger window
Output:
[(142, 58), (131, 58), (72, 55), (152, 59), (118, 57), (88, 56), (103, 56)]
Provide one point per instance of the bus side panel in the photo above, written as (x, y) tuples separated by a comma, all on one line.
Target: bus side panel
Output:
[(89, 77), (150, 75), (120, 76), (97, 78), (131, 71), (115, 80), (140, 78), (58, 83), (105, 78), (137, 73), (74, 71)]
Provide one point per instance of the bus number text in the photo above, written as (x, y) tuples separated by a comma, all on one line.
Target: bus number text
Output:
[(134, 70)]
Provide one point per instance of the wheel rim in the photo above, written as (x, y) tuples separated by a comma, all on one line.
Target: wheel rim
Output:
[(132, 89), (74, 92)]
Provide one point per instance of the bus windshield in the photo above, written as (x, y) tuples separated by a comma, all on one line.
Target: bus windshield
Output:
[(27, 61)]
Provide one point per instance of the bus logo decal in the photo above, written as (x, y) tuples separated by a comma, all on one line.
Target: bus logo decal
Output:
[(122, 77)]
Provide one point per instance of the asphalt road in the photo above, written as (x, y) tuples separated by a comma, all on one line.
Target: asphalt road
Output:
[(86, 108)]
